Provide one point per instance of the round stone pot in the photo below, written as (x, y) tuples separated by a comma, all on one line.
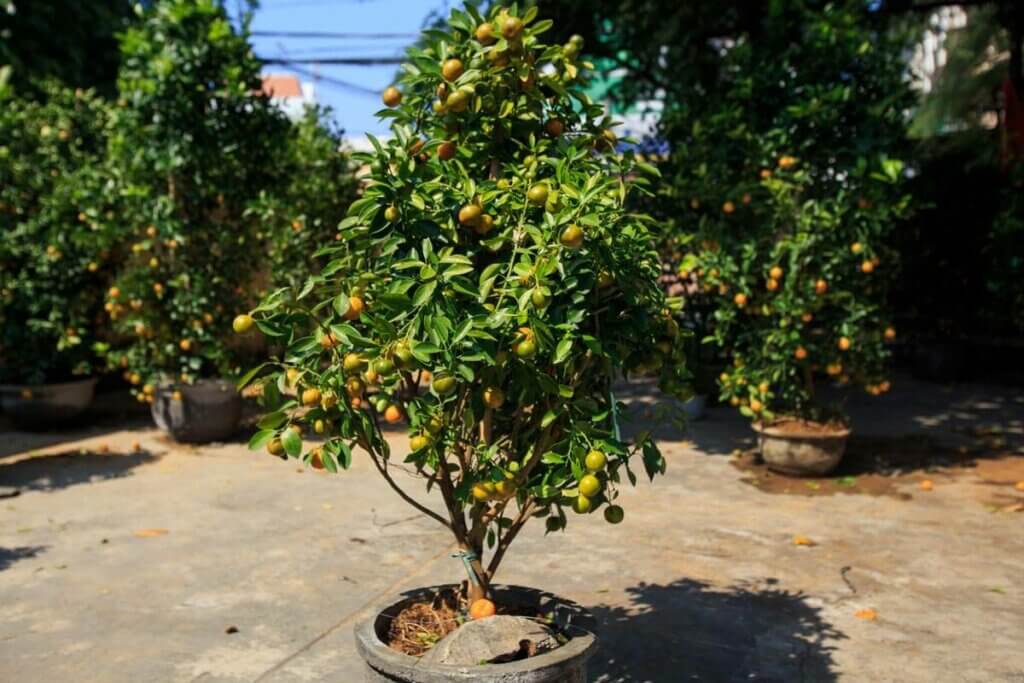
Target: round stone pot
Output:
[(694, 407), (566, 664), (208, 410), (44, 405), (801, 454)]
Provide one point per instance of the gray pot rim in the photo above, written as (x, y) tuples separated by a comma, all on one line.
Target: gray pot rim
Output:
[(769, 430), (13, 388), (378, 655)]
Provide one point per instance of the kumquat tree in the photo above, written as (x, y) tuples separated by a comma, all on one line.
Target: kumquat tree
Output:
[(487, 289)]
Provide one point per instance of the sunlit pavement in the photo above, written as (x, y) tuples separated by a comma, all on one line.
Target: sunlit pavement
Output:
[(217, 564)]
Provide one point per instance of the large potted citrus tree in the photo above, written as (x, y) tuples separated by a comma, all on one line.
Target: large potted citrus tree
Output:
[(788, 170), (54, 255), (192, 146), (487, 289)]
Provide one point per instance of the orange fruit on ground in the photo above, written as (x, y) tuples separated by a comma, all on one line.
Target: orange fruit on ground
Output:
[(481, 609), (927, 485), (392, 96), (393, 414), (355, 308)]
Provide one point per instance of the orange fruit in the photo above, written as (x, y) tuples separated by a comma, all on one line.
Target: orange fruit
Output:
[(746, 198), (772, 284), (275, 447), (114, 292), (775, 273), (867, 266), (317, 459), (554, 127), (494, 397), (807, 317), (485, 34), (480, 494), (311, 397), (512, 28), (185, 344), (844, 344), (328, 341), (452, 69), (589, 485), (755, 405), (765, 174), (582, 505), (484, 225), (786, 162), (571, 237), (740, 299), (391, 214), (446, 151), (470, 214), (800, 353), (820, 287), (352, 362), (392, 96), (728, 207), (595, 460), (856, 247), (481, 609), (242, 323), (419, 442), (393, 414), (538, 194), (890, 333), (355, 308)]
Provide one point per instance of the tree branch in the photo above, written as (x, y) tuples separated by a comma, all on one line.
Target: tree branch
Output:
[(518, 523)]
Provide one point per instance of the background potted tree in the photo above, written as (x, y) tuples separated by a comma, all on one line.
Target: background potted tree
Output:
[(488, 287), (793, 205), (193, 144), (57, 233)]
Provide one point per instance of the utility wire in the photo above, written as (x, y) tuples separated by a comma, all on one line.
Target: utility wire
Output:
[(349, 61), (328, 34), (336, 82)]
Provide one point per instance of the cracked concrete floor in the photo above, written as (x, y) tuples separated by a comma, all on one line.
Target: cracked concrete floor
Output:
[(216, 564)]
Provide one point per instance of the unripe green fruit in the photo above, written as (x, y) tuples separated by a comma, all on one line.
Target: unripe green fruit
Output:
[(538, 194)]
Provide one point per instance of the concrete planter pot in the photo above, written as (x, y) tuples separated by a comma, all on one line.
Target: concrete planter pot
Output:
[(208, 410), (801, 454), (694, 407), (44, 405), (566, 664)]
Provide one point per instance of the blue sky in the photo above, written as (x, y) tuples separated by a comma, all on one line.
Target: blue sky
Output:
[(353, 108)]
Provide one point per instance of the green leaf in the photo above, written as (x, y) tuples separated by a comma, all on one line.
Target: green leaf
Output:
[(563, 350), (424, 292), (272, 420), (292, 443), (260, 439)]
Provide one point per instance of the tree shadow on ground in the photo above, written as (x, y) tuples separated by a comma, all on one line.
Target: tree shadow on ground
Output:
[(691, 631), (9, 556), (52, 471)]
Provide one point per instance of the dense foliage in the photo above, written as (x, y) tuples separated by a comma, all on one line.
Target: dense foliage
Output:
[(788, 170), (193, 144), (57, 236), (486, 290), (302, 212)]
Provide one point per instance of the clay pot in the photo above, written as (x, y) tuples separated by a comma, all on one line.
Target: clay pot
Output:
[(44, 405), (206, 411), (808, 453), (565, 664)]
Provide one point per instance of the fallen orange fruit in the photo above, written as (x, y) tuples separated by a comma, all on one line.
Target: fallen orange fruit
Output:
[(866, 614), (481, 609)]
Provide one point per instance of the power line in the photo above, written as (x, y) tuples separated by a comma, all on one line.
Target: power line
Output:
[(327, 34), (349, 61), (337, 82)]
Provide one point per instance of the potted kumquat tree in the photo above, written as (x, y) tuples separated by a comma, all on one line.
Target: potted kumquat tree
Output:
[(488, 288)]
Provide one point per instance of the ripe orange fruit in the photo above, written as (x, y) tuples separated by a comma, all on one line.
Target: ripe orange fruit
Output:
[(807, 317), (328, 341), (311, 397), (755, 405), (114, 293), (480, 494), (316, 459), (554, 128), (446, 151), (834, 369), (786, 162), (484, 225), (746, 198), (775, 273), (512, 28), (820, 287), (481, 609), (763, 387), (393, 414), (458, 101), (452, 69), (392, 96), (728, 207), (765, 174), (419, 442), (890, 333), (740, 299), (185, 345), (470, 214), (242, 323), (867, 266), (844, 344), (352, 362), (856, 247), (571, 237), (494, 397), (354, 387), (772, 284), (485, 34), (275, 447), (800, 353), (355, 308)]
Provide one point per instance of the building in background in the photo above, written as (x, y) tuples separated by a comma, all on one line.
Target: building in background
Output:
[(289, 94)]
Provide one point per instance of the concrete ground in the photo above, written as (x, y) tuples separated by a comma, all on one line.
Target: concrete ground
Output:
[(217, 564)]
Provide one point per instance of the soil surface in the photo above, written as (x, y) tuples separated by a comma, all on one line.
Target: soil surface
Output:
[(419, 626), (803, 427)]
